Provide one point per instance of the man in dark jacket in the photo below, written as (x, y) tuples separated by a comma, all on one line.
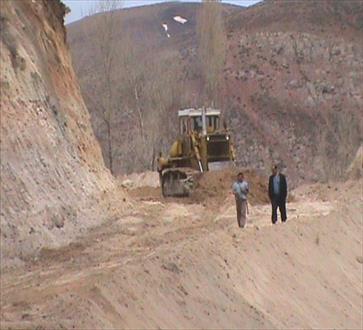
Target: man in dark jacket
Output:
[(277, 191)]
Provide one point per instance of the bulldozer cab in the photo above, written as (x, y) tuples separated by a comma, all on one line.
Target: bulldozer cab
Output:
[(203, 121)]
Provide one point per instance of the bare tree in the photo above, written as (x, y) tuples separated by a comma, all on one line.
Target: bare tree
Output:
[(339, 138), (130, 91), (212, 44), (104, 102), (147, 93)]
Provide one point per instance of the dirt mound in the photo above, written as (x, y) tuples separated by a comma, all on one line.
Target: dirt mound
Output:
[(137, 180), (214, 186), (211, 190)]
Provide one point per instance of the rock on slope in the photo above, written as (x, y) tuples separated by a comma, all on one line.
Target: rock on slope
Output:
[(51, 166)]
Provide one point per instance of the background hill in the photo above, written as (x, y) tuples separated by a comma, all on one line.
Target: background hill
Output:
[(292, 81)]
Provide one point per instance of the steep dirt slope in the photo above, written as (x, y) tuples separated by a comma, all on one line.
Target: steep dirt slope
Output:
[(52, 172), (169, 265), (293, 78)]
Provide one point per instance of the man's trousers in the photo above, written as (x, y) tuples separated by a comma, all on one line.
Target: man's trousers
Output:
[(281, 204), (241, 208)]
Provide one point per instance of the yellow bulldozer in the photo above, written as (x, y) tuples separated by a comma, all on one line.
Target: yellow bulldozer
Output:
[(202, 145)]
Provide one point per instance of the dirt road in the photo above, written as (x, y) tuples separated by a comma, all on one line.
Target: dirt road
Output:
[(173, 265)]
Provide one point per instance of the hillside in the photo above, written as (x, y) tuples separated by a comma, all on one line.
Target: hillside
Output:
[(53, 179), (294, 79), (292, 90)]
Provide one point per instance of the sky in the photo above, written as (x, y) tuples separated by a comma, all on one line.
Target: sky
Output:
[(81, 8)]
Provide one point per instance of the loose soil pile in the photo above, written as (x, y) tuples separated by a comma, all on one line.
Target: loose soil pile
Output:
[(214, 186), (211, 189)]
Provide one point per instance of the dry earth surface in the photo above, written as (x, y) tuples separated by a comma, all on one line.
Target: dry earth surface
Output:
[(165, 264), (80, 249)]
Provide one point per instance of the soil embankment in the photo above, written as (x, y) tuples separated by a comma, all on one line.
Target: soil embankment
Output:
[(53, 181), (172, 265)]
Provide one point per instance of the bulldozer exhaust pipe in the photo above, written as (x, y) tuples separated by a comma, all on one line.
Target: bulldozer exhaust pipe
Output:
[(204, 122)]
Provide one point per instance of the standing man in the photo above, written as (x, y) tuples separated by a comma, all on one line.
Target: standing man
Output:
[(277, 191), (240, 191)]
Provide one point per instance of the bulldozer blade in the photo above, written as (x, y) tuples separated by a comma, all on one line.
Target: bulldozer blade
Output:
[(178, 183)]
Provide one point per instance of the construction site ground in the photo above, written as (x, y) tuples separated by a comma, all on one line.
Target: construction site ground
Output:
[(174, 263)]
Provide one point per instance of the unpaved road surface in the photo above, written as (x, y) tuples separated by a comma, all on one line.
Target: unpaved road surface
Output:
[(165, 264)]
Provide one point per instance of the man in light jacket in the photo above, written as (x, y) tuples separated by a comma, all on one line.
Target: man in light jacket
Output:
[(240, 191)]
